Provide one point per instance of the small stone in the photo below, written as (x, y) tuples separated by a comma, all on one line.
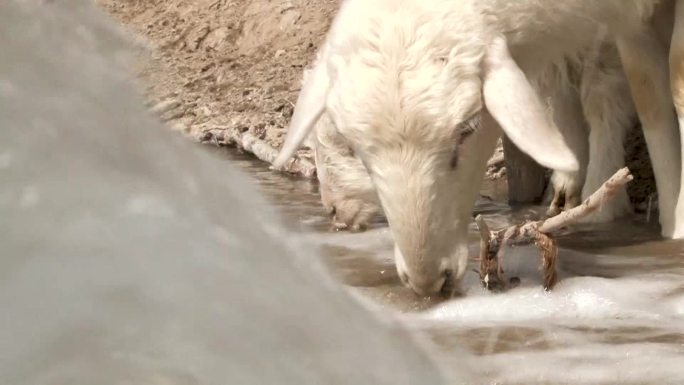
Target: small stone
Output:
[(215, 38)]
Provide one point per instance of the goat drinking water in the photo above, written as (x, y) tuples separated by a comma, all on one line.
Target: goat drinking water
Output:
[(419, 90)]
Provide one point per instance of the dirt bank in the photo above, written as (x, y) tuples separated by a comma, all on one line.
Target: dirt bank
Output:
[(227, 71)]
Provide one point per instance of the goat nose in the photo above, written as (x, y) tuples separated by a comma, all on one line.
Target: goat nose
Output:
[(427, 287)]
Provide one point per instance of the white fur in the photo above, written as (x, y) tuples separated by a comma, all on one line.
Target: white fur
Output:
[(646, 64), (602, 98), (403, 80), (346, 189), (610, 113)]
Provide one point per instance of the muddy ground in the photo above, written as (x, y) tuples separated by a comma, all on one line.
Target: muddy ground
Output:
[(220, 69), (228, 72)]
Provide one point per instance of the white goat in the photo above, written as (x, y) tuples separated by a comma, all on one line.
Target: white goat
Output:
[(419, 89), (593, 114)]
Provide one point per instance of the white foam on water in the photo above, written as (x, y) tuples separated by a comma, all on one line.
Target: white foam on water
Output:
[(628, 329), (643, 298)]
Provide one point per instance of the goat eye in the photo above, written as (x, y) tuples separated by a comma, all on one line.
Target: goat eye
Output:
[(454, 160), (463, 135), (467, 128), (464, 130)]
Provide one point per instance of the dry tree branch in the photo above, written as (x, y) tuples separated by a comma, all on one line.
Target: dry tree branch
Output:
[(492, 243), (594, 203)]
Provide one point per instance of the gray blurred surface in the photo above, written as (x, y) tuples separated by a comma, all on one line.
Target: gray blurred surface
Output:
[(129, 257)]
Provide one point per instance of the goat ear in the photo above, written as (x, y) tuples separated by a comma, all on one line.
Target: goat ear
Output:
[(514, 104), (309, 108)]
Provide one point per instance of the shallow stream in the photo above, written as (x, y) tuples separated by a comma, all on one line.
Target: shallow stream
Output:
[(616, 316)]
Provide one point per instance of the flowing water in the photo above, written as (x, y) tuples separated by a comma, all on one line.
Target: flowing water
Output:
[(616, 316)]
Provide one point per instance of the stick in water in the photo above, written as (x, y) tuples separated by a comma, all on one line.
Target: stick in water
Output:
[(492, 242)]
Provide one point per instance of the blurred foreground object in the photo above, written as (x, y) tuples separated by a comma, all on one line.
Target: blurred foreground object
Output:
[(129, 257)]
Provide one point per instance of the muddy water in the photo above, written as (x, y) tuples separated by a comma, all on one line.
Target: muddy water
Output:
[(616, 317)]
